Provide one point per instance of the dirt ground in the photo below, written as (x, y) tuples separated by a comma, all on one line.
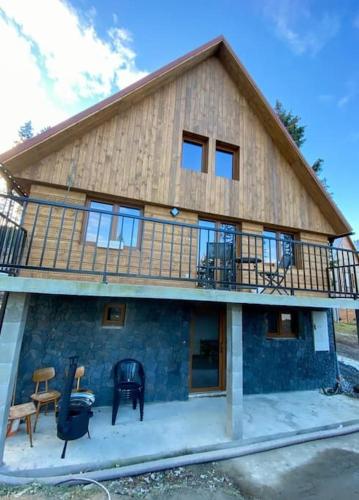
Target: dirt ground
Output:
[(319, 470), (347, 340), (202, 482)]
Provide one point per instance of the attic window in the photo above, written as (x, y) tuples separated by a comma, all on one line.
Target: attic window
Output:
[(194, 152), (227, 161)]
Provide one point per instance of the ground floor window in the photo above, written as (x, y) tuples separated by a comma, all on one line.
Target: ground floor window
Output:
[(114, 315), (282, 324)]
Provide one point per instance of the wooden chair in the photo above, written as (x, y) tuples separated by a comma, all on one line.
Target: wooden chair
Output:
[(46, 397), (80, 372), (18, 412)]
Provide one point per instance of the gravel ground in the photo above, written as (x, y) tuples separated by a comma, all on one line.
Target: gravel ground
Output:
[(202, 482)]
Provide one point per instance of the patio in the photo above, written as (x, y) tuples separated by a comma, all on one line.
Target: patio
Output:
[(170, 429)]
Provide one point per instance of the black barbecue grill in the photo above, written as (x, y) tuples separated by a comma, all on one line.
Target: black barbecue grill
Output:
[(75, 410)]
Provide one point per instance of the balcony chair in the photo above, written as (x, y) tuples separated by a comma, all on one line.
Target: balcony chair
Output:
[(218, 266), (275, 279), (129, 383), (46, 397)]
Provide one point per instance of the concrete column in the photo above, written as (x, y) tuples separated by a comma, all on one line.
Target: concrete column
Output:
[(234, 371), (10, 344)]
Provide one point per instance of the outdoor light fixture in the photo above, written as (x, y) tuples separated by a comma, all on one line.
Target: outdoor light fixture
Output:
[(174, 211)]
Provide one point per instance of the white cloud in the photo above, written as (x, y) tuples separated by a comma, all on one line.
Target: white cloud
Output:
[(55, 63), (295, 24), (351, 92)]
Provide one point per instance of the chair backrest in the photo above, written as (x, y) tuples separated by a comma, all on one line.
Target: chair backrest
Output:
[(129, 370), (222, 250), (80, 372), (43, 375), (285, 261)]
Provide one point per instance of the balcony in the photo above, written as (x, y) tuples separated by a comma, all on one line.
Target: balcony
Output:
[(48, 239)]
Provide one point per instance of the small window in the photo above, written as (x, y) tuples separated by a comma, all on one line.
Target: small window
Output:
[(194, 152), (282, 324), (114, 315), (116, 229), (227, 161)]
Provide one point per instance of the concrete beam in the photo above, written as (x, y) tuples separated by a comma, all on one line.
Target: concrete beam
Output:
[(99, 289), (234, 379), (10, 345)]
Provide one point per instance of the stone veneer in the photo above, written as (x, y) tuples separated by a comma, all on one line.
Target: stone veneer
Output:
[(157, 334), (274, 365)]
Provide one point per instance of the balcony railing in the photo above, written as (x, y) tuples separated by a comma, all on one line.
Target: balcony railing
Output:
[(38, 236)]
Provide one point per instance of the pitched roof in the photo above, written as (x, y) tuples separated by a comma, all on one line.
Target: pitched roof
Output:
[(39, 146)]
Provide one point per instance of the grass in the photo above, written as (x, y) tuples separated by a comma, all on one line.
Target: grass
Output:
[(341, 327)]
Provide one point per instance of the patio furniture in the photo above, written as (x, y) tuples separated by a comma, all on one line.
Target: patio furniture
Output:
[(276, 278), (129, 378), (23, 411), (75, 410), (46, 397), (218, 267), (80, 372)]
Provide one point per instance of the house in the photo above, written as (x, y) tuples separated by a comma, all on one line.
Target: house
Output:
[(350, 276), (175, 222)]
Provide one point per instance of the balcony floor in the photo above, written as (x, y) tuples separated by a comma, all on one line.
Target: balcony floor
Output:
[(170, 429)]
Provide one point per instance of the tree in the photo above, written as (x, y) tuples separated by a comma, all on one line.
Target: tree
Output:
[(26, 131), (291, 123), (297, 131)]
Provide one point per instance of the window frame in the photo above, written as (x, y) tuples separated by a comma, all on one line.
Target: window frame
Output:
[(117, 323), (235, 151), (191, 138), (116, 206), (280, 334)]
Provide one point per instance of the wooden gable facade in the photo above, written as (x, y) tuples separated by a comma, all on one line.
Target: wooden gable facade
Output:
[(136, 155)]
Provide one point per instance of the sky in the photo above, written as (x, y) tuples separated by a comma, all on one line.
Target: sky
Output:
[(58, 57)]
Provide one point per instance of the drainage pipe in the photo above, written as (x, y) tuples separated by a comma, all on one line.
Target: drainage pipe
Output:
[(182, 460)]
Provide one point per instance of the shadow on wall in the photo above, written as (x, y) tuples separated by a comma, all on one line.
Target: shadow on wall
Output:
[(155, 332)]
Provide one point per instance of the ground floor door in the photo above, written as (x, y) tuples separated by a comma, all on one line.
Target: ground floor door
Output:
[(207, 348)]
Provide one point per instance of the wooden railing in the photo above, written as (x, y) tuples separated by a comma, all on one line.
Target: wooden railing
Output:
[(43, 236)]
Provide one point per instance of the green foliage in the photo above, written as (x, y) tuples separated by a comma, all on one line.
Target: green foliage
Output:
[(297, 131), (291, 123), (26, 131)]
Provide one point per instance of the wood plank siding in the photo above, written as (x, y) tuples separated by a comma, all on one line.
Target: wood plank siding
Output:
[(136, 155)]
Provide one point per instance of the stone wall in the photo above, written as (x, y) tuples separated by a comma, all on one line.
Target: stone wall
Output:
[(155, 332), (274, 365)]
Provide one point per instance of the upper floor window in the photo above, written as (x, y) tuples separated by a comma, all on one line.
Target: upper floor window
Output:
[(227, 160), (278, 246), (114, 226), (194, 152)]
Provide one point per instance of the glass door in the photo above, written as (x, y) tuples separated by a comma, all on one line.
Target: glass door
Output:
[(207, 353)]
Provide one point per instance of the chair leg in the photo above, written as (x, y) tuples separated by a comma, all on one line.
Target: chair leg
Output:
[(88, 434), (28, 425), (38, 408), (64, 450), (115, 405), (134, 402), (142, 402)]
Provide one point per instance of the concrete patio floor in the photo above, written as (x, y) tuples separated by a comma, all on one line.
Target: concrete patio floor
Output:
[(170, 429)]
